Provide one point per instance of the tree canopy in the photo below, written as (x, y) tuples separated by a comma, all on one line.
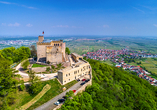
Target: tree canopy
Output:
[(114, 89), (15, 55), (67, 50)]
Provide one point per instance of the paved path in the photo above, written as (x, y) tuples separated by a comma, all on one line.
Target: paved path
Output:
[(44, 77), (50, 104)]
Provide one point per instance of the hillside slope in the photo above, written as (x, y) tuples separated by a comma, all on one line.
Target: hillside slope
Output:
[(114, 89)]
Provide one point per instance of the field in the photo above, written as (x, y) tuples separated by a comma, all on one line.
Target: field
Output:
[(149, 63), (37, 65), (135, 43), (23, 97)]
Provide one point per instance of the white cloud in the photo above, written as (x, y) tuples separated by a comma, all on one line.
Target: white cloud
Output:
[(139, 9), (61, 26), (8, 3), (15, 24), (106, 26), (3, 24), (29, 25), (76, 27), (155, 25), (148, 7)]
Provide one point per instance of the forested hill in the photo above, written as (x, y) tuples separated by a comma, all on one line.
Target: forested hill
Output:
[(114, 89)]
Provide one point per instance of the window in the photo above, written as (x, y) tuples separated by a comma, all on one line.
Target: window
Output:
[(64, 81), (78, 71), (54, 45), (66, 75), (69, 79), (58, 44), (69, 74)]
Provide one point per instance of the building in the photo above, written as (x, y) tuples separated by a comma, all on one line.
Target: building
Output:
[(50, 51), (79, 69)]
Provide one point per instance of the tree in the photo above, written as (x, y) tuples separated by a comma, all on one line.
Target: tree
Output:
[(59, 66), (67, 50), (7, 83), (25, 64), (48, 69), (33, 51), (69, 94), (35, 82)]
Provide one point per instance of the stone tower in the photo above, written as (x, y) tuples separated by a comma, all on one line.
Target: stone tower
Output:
[(50, 51)]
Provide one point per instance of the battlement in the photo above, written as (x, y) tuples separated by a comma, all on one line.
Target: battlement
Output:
[(50, 50)]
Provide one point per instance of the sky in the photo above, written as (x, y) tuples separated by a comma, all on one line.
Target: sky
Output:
[(78, 17)]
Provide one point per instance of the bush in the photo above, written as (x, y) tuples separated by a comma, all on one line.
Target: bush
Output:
[(35, 88), (25, 64), (48, 69), (22, 87)]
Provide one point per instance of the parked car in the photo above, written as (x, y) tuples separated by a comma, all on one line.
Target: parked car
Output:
[(59, 101), (74, 91), (87, 80), (78, 79), (82, 83), (83, 79), (64, 97)]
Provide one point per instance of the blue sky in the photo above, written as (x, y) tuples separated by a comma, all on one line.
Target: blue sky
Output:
[(78, 17)]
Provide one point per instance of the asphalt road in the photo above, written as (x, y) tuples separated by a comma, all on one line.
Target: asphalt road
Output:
[(50, 104)]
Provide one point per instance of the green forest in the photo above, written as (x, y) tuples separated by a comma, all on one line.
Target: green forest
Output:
[(114, 89), (15, 55), (8, 80)]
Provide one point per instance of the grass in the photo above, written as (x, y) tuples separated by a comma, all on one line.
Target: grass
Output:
[(108, 62), (37, 97), (24, 97), (37, 65), (55, 90), (153, 76), (149, 63)]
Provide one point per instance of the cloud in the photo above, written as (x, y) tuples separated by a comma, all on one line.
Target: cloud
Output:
[(3, 24), (10, 3), (61, 26), (139, 9), (155, 25), (106, 26), (76, 27), (29, 25), (15, 24), (150, 8), (5, 2)]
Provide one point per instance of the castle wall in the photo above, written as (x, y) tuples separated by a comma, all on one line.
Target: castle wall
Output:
[(41, 53), (52, 51)]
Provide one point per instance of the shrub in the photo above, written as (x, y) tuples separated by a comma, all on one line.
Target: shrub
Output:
[(22, 87), (48, 69)]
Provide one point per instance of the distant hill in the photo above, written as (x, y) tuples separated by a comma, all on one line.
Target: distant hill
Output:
[(114, 89)]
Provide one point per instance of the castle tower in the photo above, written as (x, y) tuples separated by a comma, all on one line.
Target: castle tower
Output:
[(40, 38), (50, 51)]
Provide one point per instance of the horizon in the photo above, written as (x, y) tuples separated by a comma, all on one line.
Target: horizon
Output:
[(78, 18)]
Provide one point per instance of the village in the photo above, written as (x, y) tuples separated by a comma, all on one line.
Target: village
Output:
[(118, 57)]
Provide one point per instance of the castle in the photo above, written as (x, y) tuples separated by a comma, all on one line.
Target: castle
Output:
[(53, 52), (50, 51)]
